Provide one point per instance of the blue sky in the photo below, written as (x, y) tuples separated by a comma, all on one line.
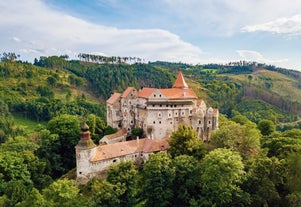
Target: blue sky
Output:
[(190, 31)]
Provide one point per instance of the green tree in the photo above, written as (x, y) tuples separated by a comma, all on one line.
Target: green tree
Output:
[(62, 193), (263, 179), (34, 199), (52, 81), (104, 193), (187, 183), (157, 178), (243, 138), (97, 126), (266, 127), (223, 172), (293, 166), (124, 175), (185, 141), (60, 149)]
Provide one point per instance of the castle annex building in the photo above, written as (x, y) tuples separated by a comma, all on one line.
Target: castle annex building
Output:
[(160, 111)]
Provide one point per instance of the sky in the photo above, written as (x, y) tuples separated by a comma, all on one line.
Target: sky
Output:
[(188, 31)]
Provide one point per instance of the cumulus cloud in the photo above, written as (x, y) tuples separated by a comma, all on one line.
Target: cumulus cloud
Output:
[(287, 25), (45, 31), (250, 55)]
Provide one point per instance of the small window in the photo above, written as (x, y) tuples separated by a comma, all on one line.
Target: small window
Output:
[(159, 122), (160, 105), (154, 95), (114, 160), (209, 122), (160, 95), (154, 122), (153, 105)]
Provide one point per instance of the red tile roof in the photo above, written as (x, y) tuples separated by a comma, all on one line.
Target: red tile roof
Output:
[(119, 149), (145, 92), (178, 93), (180, 81), (119, 133), (127, 92), (113, 98)]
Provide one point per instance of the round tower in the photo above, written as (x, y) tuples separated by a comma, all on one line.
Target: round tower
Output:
[(85, 150)]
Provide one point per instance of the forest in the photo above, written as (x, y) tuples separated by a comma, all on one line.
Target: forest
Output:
[(253, 159)]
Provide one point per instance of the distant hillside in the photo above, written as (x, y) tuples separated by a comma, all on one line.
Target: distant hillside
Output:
[(55, 85), (40, 93)]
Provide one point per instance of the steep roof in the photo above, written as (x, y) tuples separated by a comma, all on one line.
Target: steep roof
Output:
[(145, 92), (113, 98), (119, 149), (178, 93), (180, 81), (127, 92)]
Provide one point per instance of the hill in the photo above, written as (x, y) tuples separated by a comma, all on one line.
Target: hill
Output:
[(55, 85)]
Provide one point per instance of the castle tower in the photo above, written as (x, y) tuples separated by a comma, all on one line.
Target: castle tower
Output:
[(85, 150), (180, 82)]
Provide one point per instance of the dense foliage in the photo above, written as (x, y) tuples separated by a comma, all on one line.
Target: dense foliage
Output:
[(249, 162)]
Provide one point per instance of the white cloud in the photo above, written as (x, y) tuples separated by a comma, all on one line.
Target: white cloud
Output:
[(15, 39), (250, 55), (45, 31), (289, 25)]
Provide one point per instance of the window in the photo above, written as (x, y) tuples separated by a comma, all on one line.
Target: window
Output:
[(154, 95), (154, 122), (160, 95), (159, 122)]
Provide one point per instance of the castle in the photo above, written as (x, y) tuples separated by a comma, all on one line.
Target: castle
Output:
[(158, 112)]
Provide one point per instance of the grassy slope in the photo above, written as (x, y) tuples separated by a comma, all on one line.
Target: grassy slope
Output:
[(281, 84)]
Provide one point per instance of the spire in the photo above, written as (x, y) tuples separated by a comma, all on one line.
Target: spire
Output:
[(180, 82)]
